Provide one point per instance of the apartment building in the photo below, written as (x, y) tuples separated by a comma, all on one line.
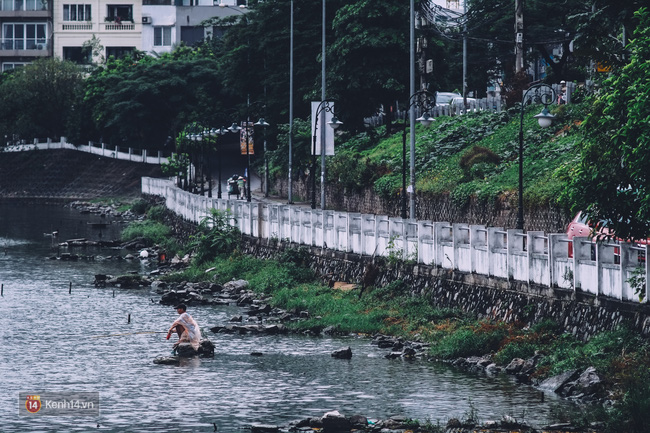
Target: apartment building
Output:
[(90, 31), (26, 27), (167, 23)]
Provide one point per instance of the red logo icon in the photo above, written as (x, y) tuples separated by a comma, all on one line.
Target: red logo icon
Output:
[(33, 403)]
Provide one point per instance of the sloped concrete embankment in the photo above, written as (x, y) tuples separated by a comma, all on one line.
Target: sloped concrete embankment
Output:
[(61, 175)]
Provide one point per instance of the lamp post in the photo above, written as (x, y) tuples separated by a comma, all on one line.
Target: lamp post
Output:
[(426, 101), (236, 128), (263, 123), (197, 139), (543, 94), (326, 106), (249, 129), (214, 133)]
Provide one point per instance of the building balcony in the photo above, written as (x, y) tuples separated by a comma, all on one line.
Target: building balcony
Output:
[(20, 48), (115, 27), (41, 13), (88, 26), (77, 26)]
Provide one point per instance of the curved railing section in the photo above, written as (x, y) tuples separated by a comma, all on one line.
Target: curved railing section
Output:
[(127, 154)]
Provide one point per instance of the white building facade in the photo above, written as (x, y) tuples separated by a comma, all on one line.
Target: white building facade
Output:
[(114, 25)]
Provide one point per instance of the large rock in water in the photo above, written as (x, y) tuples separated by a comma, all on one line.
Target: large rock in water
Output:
[(335, 422), (555, 383), (185, 350), (206, 349), (588, 386)]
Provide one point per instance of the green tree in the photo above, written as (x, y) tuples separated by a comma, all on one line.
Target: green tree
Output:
[(602, 30), (546, 24), (369, 57), (144, 102), (37, 100), (254, 57), (611, 182)]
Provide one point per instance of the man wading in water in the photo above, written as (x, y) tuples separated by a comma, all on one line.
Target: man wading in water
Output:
[(186, 327)]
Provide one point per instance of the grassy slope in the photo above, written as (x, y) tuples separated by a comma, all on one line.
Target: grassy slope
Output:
[(440, 148)]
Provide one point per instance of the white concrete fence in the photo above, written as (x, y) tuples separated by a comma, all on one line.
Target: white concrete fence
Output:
[(101, 149), (602, 269)]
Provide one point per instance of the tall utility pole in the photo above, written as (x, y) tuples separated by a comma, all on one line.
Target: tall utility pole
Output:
[(519, 35), (290, 189), (323, 135), (412, 111), (465, 54)]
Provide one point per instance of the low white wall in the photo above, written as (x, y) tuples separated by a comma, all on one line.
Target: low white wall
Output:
[(131, 154), (532, 257)]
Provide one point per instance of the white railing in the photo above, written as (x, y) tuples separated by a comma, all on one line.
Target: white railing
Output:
[(101, 149), (529, 257)]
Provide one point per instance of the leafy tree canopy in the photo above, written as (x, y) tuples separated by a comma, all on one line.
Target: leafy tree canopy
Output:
[(146, 101), (546, 24), (370, 57), (36, 101), (611, 183)]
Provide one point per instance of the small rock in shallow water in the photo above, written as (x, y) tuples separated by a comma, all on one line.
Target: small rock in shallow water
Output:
[(264, 428), (342, 353), (166, 360)]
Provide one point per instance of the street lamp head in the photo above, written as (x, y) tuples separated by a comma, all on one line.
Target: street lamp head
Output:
[(545, 119), (234, 128), (425, 120), (334, 123), (261, 122)]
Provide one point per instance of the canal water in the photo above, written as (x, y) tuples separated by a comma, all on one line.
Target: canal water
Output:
[(60, 333)]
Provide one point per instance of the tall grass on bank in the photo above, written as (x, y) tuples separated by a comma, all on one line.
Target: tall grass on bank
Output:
[(150, 233)]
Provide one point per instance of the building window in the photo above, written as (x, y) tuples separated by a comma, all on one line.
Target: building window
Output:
[(22, 5), (192, 35), (79, 55), (10, 66), (76, 13), (162, 36), (118, 52), (218, 32), (24, 36), (119, 12)]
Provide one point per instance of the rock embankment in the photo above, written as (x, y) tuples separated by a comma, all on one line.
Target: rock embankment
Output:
[(585, 386), (337, 422)]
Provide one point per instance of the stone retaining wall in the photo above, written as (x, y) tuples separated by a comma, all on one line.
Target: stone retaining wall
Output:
[(581, 314), (502, 213)]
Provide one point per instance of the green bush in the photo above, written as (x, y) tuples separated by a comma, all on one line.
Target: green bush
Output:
[(157, 213), (515, 349), (140, 207), (215, 236), (151, 232), (630, 413), (467, 341), (298, 256)]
